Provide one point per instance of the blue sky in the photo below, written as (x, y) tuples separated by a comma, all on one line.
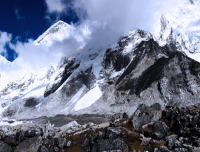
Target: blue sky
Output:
[(26, 19)]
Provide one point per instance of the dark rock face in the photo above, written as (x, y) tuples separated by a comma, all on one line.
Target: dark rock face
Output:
[(71, 65), (116, 59), (164, 70), (85, 77), (159, 129)]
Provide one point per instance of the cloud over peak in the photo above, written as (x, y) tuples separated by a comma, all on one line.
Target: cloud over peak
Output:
[(54, 6)]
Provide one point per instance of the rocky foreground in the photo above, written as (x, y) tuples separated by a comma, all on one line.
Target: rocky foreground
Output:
[(148, 129)]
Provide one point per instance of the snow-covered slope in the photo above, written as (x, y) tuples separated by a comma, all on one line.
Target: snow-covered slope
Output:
[(183, 26)]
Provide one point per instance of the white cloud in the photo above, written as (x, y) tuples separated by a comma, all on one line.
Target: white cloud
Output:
[(18, 16), (5, 38), (54, 6)]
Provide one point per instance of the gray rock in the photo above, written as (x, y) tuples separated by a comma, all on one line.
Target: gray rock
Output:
[(106, 145), (29, 144), (113, 132), (5, 148), (180, 150), (61, 142), (68, 143), (159, 129), (171, 137), (188, 147), (178, 144), (42, 149), (56, 149), (145, 114), (170, 141), (85, 143), (163, 149)]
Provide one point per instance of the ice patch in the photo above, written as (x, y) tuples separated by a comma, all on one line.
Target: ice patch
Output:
[(115, 74), (74, 99), (89, 98)]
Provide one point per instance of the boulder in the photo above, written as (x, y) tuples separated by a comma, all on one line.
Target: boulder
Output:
[(159, 130), (42, 149), (146, 129), (188, 147), (180, 150), (85, 144), (31, 144), (177, 144), (5, 148), (196, 149), (61, 142), (107, 145), (163, 149), (113, 132), (146, 114), (170, 141), (68, 143)]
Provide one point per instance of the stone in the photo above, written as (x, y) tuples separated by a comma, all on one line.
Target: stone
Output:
[(56, 149), (196, 149), (85, 144), (42, 149), (171, 137), (61, 142), (107, 144), (125, 116), (100, 135), (180, 150), (146, 129), (163, 149), (170, 143), (159, 129), (5, 148), (144, 141), (146, 114), (152, 142), (188, 147), (68, 143), (177, 144), (29, 144), (113, 132), (112, 124), (20, 136), (51, 142)]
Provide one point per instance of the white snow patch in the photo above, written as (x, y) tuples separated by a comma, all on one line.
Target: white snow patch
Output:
[(115, 74), (89, 98), (74, 98)]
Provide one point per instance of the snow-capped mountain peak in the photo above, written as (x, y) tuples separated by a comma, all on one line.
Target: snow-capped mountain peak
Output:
[(57, 31)]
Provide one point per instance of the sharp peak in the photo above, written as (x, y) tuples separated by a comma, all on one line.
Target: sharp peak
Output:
[(60, 22)]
